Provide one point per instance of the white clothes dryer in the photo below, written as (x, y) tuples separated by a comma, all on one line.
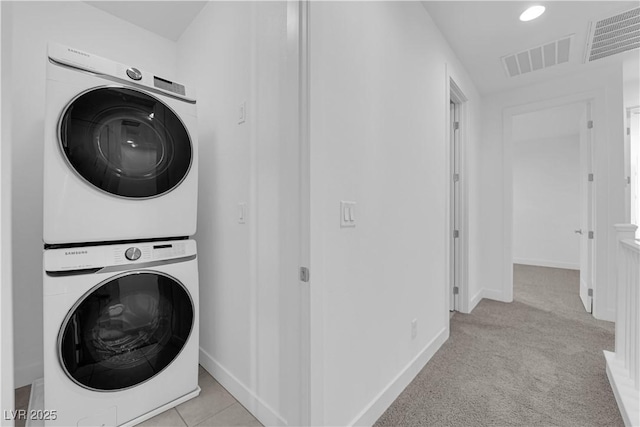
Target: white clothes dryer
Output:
[(120, 332), (120, 152)]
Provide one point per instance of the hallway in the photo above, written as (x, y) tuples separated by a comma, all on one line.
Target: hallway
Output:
[(536, 361)]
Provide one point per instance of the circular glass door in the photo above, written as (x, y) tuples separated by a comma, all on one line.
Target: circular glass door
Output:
[(125, 142), (125, 331)]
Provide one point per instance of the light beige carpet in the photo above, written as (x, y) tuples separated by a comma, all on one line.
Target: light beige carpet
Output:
[(534, 362)]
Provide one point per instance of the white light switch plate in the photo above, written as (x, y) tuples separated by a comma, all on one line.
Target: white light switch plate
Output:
[(242, 113), (242, 213), (347, 214)]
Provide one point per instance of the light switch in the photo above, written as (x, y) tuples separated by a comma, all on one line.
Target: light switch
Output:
[(242, 113), (242, 213), (347, 214)]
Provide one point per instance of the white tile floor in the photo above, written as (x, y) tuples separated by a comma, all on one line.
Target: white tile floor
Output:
[(213, 407)]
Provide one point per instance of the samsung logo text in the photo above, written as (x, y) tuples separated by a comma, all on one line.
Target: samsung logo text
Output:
[(75, 252)]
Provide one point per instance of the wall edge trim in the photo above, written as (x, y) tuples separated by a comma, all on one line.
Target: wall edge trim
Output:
[(547, 263), (475, 300), (247, 397), (370, 414), (608, 315)]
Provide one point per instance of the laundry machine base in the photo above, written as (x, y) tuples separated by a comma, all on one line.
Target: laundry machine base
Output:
[(36, 403)]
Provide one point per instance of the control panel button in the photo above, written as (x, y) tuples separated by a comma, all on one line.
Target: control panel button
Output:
[(134, 73), (132, 254)]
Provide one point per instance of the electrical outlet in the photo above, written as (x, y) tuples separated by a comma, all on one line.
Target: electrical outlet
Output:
[(414, 328)]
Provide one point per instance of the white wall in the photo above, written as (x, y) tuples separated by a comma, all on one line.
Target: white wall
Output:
[(6, 291), (235, 53), (546, 187), (631, 78), (84, 27), (379, 102), (603, 83)]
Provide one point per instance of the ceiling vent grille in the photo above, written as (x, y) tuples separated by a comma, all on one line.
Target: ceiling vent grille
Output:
[(613, 35), (539, 57)]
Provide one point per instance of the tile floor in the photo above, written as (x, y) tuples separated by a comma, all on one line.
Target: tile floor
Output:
[(212, 408)]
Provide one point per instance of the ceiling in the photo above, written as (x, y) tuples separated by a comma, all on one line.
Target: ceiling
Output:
[(482, 32), (168, 19), (479, 32)]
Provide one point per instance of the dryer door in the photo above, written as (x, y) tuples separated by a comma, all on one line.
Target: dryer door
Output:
[(125, 331), (125, 142)]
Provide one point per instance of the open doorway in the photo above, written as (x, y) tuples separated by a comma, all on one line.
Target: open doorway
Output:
[(553, 195)]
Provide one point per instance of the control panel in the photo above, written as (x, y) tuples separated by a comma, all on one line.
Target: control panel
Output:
[(81, 60), (114, 255)]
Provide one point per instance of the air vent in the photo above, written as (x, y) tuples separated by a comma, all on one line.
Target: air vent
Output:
[(613, 35), (539, 57)]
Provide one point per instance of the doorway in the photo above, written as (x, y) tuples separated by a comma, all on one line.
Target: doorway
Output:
[(457, 201), (552, 178)]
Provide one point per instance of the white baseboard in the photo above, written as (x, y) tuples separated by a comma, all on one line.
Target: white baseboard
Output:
[(27, 374), (488, 294), (370, 414), (495, 295), (475, 300), (547, 263), (608, 315), (243, 394), (627, 396)]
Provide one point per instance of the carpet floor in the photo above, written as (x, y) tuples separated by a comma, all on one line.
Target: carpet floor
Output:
[(534, 362)]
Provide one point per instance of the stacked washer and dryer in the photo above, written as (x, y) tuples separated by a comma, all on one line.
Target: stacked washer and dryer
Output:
[(120, 272)]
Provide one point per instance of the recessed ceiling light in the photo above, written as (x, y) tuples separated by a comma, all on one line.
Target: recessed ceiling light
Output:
[(532, 13)]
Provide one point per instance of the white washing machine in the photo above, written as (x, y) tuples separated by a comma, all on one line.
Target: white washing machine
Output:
[(120, 152), (120, 332)]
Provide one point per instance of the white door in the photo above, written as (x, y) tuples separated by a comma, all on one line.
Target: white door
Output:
[(586, 209), (455, 205)]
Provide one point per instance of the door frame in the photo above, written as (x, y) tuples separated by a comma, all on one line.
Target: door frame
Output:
[(6, 280), (457, 267), (627, 164), (507, 208), (298, 94)]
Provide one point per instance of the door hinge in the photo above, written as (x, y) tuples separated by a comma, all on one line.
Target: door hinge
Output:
[(591, 234), (304, 274), (590, 124), (456, 290), (590, 177), (456, 177), (456, 234), (628, 180), (628, 131), (456, 125), (590, 292)]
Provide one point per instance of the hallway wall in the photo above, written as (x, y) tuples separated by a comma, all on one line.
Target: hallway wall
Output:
[(601, 81), (84, 27), (379, 102)]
